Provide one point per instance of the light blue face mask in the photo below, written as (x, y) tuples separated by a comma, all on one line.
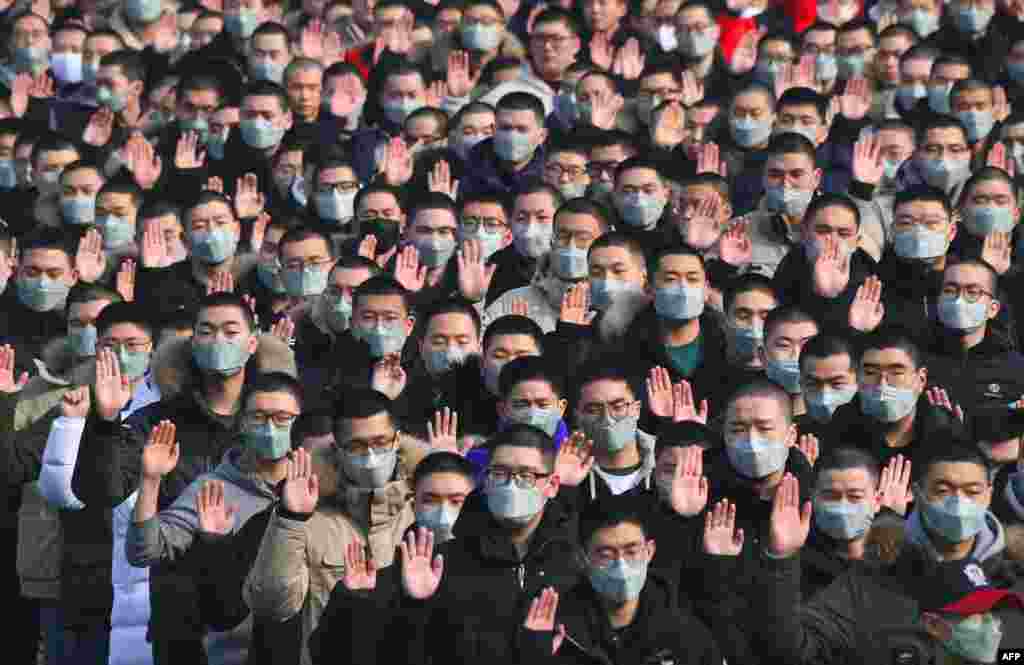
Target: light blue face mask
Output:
[(435, 251), (489, 241), (945, 174), (570, 263), (89, 72), (78, 210), (266, 70), (438, 362), (746, 341), (851, 66), (383, 339), (809, 133), (31, 59), (480, 37), (826, 67), (219, 357), (269, 275), (977, 123), (754, 456), (82, 341), (512, 503), (821, 406), (397, 110), (986, 219), (42, 294), (339, 313), (268, 441), (786, 374), (215, 144), (640, 210), (117, 231), (309, 281), (608, 433), (909, 93), (961, 316), (214, 247), (620, 581), (142, 11), (67, 67), (198, 125), (789, 201), (572, 190), (134, 364), (513, 146), (976, 639), (372, 470), (335, 206), (532, 240), (749, 132), (679, 303), (891, 168), (114, 101), (543, 419), (922, 244), (922, 22), (260, 134), (697, 44), (1015, 70), (603, 292), (972, 20), (8, 174), (843, 520), (242, 24), (938, 98), (954, 518), (887, 403), (440, 519)]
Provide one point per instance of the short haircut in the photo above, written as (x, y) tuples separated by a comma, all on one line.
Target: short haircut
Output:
[(120, 185), (712, 180), (82, 165), (525, 436), (939, 121), (609, 512), (514, 324), (444, 462), (745, 284), (831, 200), (529, 368), (857, 24), (613, 138), (764, 388), (640, 163), (585, 206), (786, 314), (267, 89), (820, 26), (539, 187), (921, 193), (820, 347), (132, 66), (921, 51), (83, 292), (270, 29), (273, 382), (968, 85), (606, 368), (51, 142), (950, 451), (494, 198), (359, 404), (159, 208), (755, 87), (125, 312), (789, 143), (473, 108), (899, 30), (47, 238), (805, 97), (433, 113), (558, 15), (954, 59), (433, 201), (228, 300), (897, 125), (989, 174), (208, 196), (381, 285), (452, 306), (303, 233), (991, 276), (893, 337), (523, 101), (623, 240), (685, 434), (378, 188), (846, 459), (677, 249)]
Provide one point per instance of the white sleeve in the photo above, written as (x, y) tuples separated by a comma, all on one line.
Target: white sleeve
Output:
[(59, 459)]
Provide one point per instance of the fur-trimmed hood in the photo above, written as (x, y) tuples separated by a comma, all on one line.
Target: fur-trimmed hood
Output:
[(176, 373), (58, 373)]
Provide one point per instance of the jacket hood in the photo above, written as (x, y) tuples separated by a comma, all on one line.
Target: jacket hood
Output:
[(57, 366), (477, 526), (176, 373), (334, 482), (234, 468), (989, 542), (645, 443)]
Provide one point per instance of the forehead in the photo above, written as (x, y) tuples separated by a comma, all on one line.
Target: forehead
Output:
[(477, 119), (846, 479), (210, 209), (605, 389), (382, 302), (312, 245), (754, 299), (617, 536), (819, 37), (85, 175), (451, 322), (578, 221), (517, 117), (790, 160), (404, 80), (261, 103), (957, 473), (518, 457), (125, 331), (445, 483), (755, 407), (965, 274), (800, 109), (836, 217), (639, 175), (534, 201), (567, 157), (379, 423), (483, 209), (46, 257), (351, 276), (115, 198), (691, 13), (271, 41), (854, 36), (887, 356), (221, 315), (890, 136), (435, 217), (532, 387), (680, 263), (834, 364), (610, 255), (26, 23), (795, 330), (306, 75), (378, 200), (929, 208), (63, 157), (512, 342), (423, 123), (751, 98)]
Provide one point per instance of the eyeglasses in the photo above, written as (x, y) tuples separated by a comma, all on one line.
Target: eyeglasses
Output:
[(618, 409), (279, 418), (907, 223), (377, 444), (524, 478), (299, 264), (343, 187), (558, 170), (970, 293), (597, 168), (632, 554), (557, 41), (132, 346), (490, 224)]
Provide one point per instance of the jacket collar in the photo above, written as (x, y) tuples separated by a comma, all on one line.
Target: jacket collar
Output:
[(490, 539)]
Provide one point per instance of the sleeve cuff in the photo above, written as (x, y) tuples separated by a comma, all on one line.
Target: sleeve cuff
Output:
[(861, 190), (284, 513)]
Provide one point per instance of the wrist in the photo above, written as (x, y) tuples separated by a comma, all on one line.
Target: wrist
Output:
[(150, 480), (771, 554)]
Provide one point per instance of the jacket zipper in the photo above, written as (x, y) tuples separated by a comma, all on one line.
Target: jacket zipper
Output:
[(521, 572)]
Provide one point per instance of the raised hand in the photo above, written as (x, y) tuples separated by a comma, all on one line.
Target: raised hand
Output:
[(113, 390), (629, 60), (311, 43), (996, 251), (601, 51), (90, 261), (397, 165), (937, 396), (671, 127), (221, 282), (259, 231), (831, 272), (249, 201), (388, 377), (421, 570), (154, 247), (689, 494), (216, 516), (125, 279), (368, 249), (460, 84), (693, 88), (189, 153), (856, 99), (735, 247), (685, 408), (894, 486), (474, 275), (360, 570), (744, 57), (867, 310), (439, 179), (442, 432), (215, 184), (8, 384), (867, 160), (160, 455), (301, 487), (703, 229), (435, 93), (604, 109), (575, 460), (541, 617), (659, 392), (1000, 104), (805, 75), (790, 523), (709, 158), (143, 161), (333, 51), (346, 97), (19, 94), (808, 445), (721, 537), (408, 271), (284, 330), (75, 403), (101, 125), (576, 306)]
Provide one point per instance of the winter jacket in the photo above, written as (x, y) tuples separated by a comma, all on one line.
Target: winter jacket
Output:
[(543, 296), (659, 633), (488, 175), (460, 389), (910, 291), (29, 332), (595, 486), (514, 271), (177, 287)]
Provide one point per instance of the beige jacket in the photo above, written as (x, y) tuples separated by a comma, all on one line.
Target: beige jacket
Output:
[(299, 562)]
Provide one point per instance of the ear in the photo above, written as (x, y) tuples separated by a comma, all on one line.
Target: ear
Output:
[(410, 323), (651, 549), (543, 135), (791, 435), (252, 343), (952, 231), (288, 120), (138, 87), (993, 309), (923, 373), (817, 178), (936, 626), (501, 408), (551, 489)]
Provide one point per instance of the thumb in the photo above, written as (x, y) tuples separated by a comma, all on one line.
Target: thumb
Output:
[(805, 514), (437, 565)]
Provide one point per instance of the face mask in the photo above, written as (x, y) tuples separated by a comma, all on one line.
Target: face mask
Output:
[(640, 210), (514, 504), (786, 374), (821, 406), (909, 93), (843, 520), (489, 241), (260, 134), (269, 274), (309, 281), (922, 22), (8, 174), (938, 98), (667, 38), (887, 403), (1016, 71), (220, 357), (372, 470), (268, 441), (543, 419), (977, 123), (117, 231), (142, 11), (610, 434), (826, 66), (80, 210), (572, 190), (214, 247), (765, 72), (89, 72), (603, 292), (113, 101), (439, 519), (601, 189), (30, 59), (753, 456), (444, 360), (491, 370), (698, 45), (384, 230), (266, 70), (82, 341), (133, 363), (463, 145), (513, 146), (532, 240), (215, 144), (570, 263), (809, 133), (789, 201), (334, 206), (983, 220), (620, 581), (67, 66), (851, 65), (242, 24), (972, 21), (749, 132), (962, 316), (397, 110), (921, 245), (746, 341), (383, 340), (480, 37), (679, 303), (339, 313), (435, 251), (954, 518), (976, 639), (198, 125), (891, 168), (42, 294)]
